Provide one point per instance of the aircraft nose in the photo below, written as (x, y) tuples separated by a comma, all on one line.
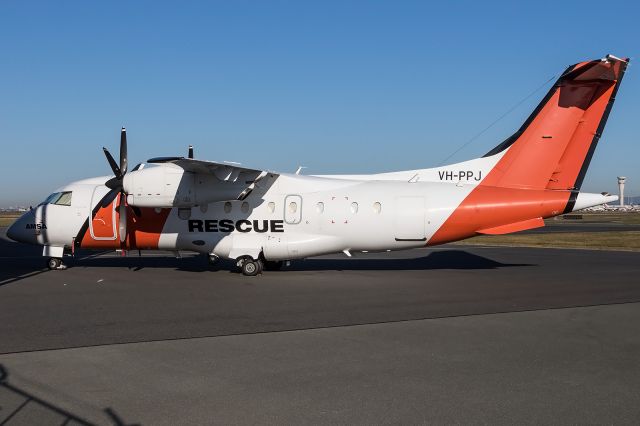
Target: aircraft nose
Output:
[(19, 231)]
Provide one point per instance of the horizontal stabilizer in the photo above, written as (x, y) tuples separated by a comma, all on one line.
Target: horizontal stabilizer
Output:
[(514, 227)]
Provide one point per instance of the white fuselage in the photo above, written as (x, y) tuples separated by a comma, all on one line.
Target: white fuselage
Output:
[(285, 216), (296, 216)]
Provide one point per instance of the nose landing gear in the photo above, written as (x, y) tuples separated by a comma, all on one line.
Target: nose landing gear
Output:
[(54, 255), (55, 263)]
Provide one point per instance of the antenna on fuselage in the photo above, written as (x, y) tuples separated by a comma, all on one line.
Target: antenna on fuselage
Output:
[(190, 151)]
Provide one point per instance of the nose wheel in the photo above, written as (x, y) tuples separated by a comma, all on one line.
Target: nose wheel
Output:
[(55, 263)]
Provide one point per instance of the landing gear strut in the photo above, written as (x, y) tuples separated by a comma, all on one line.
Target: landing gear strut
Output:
[(55, 263)]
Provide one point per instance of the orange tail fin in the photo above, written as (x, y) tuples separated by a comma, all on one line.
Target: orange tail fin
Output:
[(553, 148)]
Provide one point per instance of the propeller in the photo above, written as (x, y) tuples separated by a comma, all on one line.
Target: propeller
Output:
[(116, 183), (118, 170)]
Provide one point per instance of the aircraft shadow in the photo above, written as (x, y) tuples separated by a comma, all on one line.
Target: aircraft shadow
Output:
[(441, 259), (19, 261), (17, 406)]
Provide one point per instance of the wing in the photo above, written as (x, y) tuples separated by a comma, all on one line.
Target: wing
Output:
[(226, 172)]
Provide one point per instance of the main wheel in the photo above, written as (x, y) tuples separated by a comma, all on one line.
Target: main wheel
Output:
[(251, 267), (54, 263), (213, 259)]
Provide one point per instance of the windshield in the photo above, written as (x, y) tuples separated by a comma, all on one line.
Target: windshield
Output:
[(59, 198)]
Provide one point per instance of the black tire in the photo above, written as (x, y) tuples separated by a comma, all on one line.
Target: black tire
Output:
[(54, 263), (251, 267), (273, 265)]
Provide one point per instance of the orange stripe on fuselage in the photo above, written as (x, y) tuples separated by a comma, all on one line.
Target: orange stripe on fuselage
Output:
[(142, 232), (490, 206)]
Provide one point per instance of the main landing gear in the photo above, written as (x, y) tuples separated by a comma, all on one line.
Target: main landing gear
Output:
[(250, 266), (54, 263)]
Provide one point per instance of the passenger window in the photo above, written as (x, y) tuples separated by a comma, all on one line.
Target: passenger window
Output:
[(293, 207), (377, 207), (354, 207), (272, 206), (320, 207)]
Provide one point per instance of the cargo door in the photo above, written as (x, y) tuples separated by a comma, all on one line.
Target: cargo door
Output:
[(409, 220), (102, 220)]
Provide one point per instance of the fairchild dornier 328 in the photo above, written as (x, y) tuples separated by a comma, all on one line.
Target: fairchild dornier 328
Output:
[(260, 218)]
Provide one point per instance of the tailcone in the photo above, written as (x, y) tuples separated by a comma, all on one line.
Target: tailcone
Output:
[(586, 199)]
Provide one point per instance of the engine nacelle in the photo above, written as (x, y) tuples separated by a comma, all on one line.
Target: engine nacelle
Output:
[(168, 185)]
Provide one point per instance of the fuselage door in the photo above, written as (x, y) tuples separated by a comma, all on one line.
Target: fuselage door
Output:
[(293, 209), (102, 224), (410, 219)]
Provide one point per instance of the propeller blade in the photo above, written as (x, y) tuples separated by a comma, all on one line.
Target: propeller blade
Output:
[(191, 151), (122, 221), (107, 199), (123, 151), (114, 183), (112, 163)]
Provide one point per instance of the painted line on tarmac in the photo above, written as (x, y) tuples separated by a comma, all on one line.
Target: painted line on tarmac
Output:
[(327, 327), (23, 276)]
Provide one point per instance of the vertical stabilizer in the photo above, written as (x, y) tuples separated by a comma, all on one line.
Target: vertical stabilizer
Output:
[(554, 146)]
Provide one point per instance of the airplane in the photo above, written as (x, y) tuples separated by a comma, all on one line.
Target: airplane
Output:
[(261, 218)]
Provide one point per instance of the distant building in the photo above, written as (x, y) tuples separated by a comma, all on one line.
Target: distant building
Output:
[(621, 181)]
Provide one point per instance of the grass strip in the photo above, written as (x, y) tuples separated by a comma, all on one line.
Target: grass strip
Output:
[(614, 240)]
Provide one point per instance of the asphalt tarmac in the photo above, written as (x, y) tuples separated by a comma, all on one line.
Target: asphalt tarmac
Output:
[(462, 335)]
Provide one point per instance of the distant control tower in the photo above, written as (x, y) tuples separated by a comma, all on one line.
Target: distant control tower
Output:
[(621, 180)]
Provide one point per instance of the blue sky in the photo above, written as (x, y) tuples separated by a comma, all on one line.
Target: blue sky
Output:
[(338, 87)]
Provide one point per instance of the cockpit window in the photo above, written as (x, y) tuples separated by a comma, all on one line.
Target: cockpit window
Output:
[(64, 200), (51, 198), (59, 198)]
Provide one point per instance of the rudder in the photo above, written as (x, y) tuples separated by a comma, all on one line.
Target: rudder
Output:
[(553, 148)]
